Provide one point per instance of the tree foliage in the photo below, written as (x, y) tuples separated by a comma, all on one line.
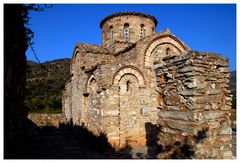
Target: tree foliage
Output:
[(44, 85), (26, 20)]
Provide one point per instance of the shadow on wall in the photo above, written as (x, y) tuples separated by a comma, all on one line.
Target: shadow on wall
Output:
[(67, 141), (174, 150)]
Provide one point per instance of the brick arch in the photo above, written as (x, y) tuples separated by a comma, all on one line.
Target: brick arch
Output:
[(128, 70), (86, 87), (162, 40), (168, 43)]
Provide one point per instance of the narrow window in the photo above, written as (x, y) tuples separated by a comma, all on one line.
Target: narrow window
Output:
[(111, 33), (142, 32), (127, 86), (126, 32), (167, 51)]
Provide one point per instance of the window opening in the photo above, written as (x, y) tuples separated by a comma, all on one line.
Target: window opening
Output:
[(126, 32)]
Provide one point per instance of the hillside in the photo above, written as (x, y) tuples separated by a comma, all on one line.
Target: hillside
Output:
[(44, 85)]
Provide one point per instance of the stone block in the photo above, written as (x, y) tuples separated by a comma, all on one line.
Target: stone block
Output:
[(181, 58), (191, 69), (176, 115), (145, 111), (191, 92), (212, 91), (111, 113), (184, 126), (225, 130), (225, 107), (156, 66), (206, 99), (224, 69), (171, 98), (213, 114)]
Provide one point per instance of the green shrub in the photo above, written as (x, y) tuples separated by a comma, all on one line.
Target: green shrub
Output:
[(50, 105)]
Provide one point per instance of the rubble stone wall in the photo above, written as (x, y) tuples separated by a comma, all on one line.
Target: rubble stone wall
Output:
[(194, 104), (46, 119)]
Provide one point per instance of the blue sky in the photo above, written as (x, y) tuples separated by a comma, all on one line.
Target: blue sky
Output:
[(207, 28)]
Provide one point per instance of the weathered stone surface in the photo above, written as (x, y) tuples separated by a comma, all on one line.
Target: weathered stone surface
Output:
[(226, 107), (224, 69), (176, 115), (213, 114), (111, 113), (47, 119), (184, 126), (190, 68), (225, 130), (203, 96)]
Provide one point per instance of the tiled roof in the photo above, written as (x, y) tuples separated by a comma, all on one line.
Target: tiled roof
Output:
[(128, 13), (91, 48)]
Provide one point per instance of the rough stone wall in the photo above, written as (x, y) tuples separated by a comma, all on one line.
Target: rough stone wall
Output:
[(101, 107), (96, 101), (67, 101), (47, 119), (194, 104), (15, 45)]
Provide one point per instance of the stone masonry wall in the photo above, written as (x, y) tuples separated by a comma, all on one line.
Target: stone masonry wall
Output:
[(117, 24), (194, 105), (46, 119)]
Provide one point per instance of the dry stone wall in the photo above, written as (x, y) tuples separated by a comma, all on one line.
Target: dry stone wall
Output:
[(194, 105), (47, 119)]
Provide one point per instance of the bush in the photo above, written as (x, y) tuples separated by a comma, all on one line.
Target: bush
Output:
[(48, 105)]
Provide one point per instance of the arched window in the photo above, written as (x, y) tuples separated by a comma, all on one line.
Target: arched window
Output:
[(167, 51), (127, 86), (143, 30), (126, 32), (111, 33)]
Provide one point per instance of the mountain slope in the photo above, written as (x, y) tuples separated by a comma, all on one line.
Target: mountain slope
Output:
[(44, 85)]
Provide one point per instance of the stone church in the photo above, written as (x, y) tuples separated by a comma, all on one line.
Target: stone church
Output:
[(139, 78)]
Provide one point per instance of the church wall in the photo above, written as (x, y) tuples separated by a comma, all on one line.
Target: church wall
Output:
[(67, 101), (146, 110)]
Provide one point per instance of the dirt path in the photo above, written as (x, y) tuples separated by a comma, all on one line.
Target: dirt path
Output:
[(62, 143), (53, 143)]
